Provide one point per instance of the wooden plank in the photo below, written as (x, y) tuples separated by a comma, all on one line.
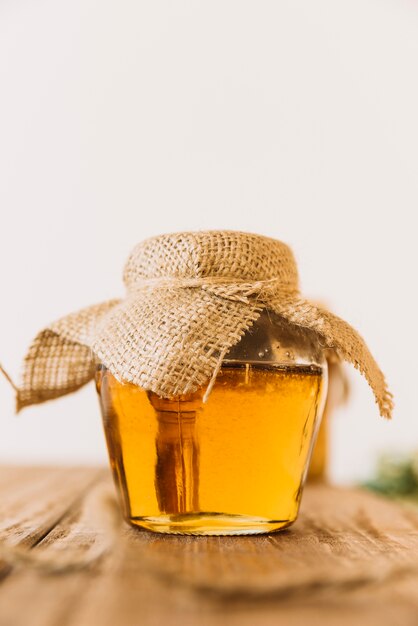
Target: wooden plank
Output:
[(32, 500), (285, 578), (351, 557)]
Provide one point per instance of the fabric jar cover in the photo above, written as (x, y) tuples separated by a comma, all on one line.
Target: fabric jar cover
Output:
[(190, 297)]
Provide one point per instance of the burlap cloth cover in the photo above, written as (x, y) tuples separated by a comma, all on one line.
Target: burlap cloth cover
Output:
[(189, 298)]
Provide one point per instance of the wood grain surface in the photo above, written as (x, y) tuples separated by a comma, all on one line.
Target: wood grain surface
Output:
[(351, 558)]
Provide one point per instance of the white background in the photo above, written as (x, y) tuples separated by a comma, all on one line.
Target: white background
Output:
[(298, 120)]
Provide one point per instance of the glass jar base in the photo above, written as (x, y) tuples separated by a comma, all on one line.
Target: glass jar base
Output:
[(209, 524)]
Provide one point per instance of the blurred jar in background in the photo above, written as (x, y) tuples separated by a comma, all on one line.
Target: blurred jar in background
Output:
[(338, 393)]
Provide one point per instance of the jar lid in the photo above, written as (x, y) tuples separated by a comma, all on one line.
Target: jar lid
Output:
[(189, 298)]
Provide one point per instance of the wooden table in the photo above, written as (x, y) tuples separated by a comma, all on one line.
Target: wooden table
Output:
[(352, 558)]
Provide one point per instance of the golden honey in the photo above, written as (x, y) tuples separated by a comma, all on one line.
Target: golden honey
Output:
[(234, 464)]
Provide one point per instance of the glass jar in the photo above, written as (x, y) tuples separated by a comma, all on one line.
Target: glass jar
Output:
[(235, 464)]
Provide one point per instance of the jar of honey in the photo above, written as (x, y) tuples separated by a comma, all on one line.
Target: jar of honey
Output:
[(233, 464), (212, 376)]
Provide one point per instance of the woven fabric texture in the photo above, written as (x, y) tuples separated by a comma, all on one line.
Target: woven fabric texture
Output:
[(190, 297)]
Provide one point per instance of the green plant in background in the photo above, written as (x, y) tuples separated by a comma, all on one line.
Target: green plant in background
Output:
[(396, 476)]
